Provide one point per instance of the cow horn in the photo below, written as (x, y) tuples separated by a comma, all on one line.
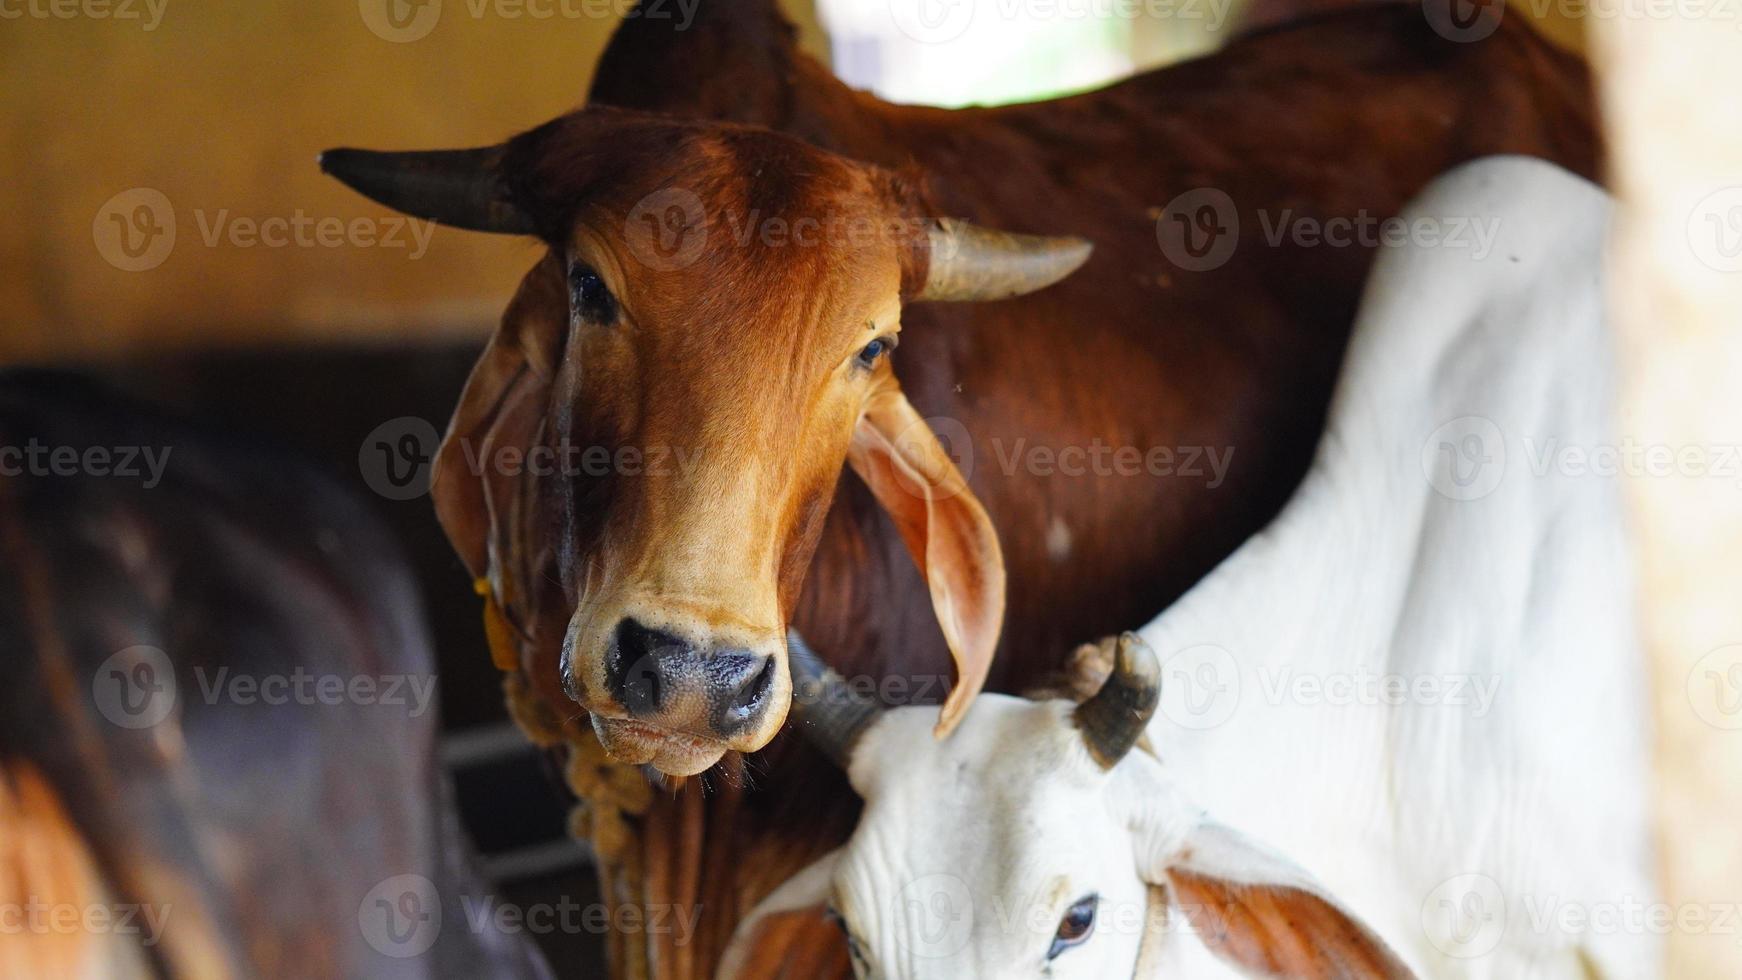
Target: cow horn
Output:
[(832, 714), (1116, 717), (461, 188), (973, 263)]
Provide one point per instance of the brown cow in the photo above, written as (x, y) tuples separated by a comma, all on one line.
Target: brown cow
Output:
[(1342, 118), (217, 744)]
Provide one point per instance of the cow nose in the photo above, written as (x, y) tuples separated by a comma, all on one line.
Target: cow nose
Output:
[(666, 680)]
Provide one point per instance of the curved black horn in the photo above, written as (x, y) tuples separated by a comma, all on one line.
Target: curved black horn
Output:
[(461, 188), (832, 715), (1115, 718), (973, 263)]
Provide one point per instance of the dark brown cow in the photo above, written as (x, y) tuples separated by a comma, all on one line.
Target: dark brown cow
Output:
[(1341, 118), (217, 748)]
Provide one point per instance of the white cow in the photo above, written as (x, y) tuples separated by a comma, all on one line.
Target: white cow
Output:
[(1421, 683)]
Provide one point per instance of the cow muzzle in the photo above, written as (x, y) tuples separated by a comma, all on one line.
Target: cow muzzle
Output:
[(679, 702)]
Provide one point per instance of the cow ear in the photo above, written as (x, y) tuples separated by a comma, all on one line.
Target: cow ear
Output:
[(481, 507), (946, 531), (799, 903), (1259, 910)]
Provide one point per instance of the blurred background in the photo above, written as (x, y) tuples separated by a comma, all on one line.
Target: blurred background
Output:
[(220, 108)]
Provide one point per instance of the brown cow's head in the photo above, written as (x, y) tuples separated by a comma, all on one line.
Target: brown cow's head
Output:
[(681, 379)]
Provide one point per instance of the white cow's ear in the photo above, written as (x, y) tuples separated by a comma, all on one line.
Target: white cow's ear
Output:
[(804, 894), (1257, 909)]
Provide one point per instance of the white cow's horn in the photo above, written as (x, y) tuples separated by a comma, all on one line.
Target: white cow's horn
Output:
[(829, 712), (1115, 718)]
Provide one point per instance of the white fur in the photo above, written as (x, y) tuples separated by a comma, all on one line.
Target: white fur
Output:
[(1537, 785)]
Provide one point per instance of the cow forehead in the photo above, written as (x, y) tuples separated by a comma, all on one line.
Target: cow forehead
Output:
[(1001, 738)]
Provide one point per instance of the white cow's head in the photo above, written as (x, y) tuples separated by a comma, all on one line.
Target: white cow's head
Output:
[(1033, 843)]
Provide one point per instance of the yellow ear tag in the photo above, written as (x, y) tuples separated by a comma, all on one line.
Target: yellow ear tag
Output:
[(504, 651)]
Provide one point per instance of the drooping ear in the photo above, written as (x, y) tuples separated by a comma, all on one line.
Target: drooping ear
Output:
[(945, 529), (484, 506), (1253, 907), (798, 902)]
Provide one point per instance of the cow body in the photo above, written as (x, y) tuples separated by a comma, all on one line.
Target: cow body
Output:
[(1492, 775), (218, 718), (1438, 542), (1343, 117)]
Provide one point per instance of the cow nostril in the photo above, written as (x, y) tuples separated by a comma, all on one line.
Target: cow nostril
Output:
[(633, 668), (749, 696)]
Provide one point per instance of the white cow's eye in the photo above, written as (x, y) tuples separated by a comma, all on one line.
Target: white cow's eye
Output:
[(1076, 927)]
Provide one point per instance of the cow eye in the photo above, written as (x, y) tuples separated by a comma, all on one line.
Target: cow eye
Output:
[(1076, 927), (875, 349), (588, 297)]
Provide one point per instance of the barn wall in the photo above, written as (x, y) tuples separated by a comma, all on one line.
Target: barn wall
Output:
[(1669, 85), (219, 108)]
